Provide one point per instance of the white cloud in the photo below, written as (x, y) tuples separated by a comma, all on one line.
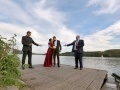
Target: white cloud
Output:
[(12, 11), (49, 14), (105, 6), (102, 40)]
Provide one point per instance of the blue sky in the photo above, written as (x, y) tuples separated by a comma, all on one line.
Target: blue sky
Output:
[(96, 21)]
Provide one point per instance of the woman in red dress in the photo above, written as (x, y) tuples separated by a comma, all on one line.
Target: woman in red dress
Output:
[(48, 58)]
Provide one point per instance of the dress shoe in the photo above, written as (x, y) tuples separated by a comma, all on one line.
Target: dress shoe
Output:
[(58, 66), (31, 67), (75, 67), (81, 68)]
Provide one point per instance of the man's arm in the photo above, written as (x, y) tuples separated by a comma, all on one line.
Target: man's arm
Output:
[(34, 42), (70, 44), (24, 42)]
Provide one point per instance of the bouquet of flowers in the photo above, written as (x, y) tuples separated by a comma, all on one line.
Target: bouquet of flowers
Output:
[(54, 47)]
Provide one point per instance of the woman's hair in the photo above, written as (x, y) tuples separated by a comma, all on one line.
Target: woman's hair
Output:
[(50, 39)]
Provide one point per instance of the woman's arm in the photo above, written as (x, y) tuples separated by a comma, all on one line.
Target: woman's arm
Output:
[(50, 46)]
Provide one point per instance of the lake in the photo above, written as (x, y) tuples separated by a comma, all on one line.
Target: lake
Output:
[(102, 63)]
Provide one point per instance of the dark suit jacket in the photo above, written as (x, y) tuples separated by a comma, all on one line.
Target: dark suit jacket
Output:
[(58, 46), (26, 41), (79, 47)]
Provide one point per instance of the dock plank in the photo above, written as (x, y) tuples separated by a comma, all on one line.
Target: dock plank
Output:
[(98, 81)]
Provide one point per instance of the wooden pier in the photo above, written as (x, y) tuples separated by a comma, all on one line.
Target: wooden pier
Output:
[(63, 78)]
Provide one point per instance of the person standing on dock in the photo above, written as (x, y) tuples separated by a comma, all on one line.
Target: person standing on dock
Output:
[(57, 49), (49, 54), (78, 51), (27, 42)]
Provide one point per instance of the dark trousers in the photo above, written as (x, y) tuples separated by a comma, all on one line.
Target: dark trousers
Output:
[(78, 57), (56, 53), (25, 53)]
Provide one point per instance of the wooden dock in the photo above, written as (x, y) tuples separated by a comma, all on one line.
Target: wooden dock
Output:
[(63, 78)]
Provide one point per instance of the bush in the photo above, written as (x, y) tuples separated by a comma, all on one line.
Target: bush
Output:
[(9, 72)]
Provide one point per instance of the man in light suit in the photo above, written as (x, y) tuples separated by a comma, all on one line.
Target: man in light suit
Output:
[(78, 51), (58, 49), (27, 42)]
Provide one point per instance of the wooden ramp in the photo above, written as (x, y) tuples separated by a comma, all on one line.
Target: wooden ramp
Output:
[(63, 78)]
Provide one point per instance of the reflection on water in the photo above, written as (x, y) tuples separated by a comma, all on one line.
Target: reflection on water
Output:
[(103, 63)]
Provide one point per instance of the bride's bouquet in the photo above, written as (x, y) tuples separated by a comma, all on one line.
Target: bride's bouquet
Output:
[(54, 47)]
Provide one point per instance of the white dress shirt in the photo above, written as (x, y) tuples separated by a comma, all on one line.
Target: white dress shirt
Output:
[(55, 42), (76, 42)]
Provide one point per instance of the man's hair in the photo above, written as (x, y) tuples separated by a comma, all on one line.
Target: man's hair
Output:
[(54, 36), (78, 36), (28, 32)]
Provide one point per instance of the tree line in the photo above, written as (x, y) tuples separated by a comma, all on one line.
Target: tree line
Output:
[(106, 53)]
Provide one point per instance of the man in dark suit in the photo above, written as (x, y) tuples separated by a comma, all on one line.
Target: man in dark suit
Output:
[(58, 49), (27, 42), (78, 51)]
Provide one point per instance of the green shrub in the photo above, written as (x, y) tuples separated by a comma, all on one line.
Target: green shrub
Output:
[(9, 72)]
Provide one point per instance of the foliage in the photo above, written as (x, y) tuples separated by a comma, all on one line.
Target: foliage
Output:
[(87, 54), (9, 72), (93, 54), (67, 54), (112, 53), (6, 45)]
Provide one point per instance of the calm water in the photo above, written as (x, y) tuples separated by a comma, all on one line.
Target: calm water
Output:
[(103, 63)]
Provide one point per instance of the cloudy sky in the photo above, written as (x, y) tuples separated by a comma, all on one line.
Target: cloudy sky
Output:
[(96, 21)]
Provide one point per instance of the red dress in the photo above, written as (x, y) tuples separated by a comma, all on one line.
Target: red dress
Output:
[(48, 58)]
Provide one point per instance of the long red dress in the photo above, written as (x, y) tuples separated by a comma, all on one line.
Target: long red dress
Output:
[(48, 58)]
